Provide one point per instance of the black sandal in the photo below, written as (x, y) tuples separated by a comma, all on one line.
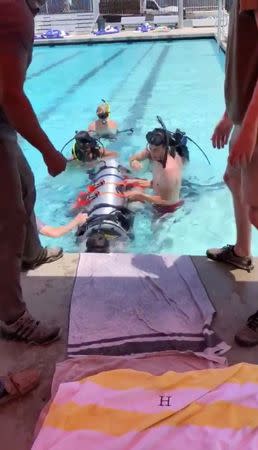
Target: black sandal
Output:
[(227, 255)]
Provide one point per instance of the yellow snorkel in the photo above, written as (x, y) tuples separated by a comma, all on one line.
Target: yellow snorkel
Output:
[(107, 105)]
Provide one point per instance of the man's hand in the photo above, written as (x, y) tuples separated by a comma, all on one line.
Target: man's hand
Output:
[(222, 132), (55, 162), (137, 183), (243, 148), (134, 196), (246, 141), (143, 183), (135, 165), (81, 218)]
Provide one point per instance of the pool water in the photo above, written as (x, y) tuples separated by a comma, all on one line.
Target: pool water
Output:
[(182, 81)]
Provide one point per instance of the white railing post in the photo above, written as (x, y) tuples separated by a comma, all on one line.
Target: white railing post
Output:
[(180, 13), (219, 21), (95, 9), (143, 6)]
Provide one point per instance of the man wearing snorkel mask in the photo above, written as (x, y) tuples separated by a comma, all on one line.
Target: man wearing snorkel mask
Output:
[(167, 166), (19, 241), (88, 150), (103, 126)]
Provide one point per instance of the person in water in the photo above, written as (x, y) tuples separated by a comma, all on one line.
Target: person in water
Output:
[(88, 150), (103, 126), (167, 161)]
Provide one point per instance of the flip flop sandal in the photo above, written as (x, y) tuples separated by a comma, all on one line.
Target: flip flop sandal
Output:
[(16, 385), (227, 255)]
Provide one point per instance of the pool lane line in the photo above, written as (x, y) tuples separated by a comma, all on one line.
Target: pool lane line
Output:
[(121, 84), (53, 65), (45, 114), (136, 111)]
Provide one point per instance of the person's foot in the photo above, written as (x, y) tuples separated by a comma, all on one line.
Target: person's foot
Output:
[(48, 255), (248, 335), (227, 255), (31, 331)]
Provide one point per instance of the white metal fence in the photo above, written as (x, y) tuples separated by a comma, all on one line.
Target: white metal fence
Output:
[(187, 9), (67, 6), (191, 7)]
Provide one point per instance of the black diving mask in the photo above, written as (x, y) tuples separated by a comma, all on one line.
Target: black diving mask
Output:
[(103, 116), (156, 137)]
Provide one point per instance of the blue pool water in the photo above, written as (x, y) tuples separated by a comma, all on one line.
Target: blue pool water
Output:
[(180, 80)]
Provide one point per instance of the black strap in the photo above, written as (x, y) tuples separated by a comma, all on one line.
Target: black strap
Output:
[(108, 175), (106, 166), (108, 205)]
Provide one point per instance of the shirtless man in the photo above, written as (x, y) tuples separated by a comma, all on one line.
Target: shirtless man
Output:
[(167, 167), (103, 127), (18, 231)]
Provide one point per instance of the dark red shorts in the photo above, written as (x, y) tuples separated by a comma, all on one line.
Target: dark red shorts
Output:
[(160, 210)]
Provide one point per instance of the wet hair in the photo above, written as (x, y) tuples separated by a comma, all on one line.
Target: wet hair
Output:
[(176, 141), (97, 243)]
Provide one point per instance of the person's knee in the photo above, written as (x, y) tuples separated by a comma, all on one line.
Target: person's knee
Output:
[(253, 216), (233, 182)]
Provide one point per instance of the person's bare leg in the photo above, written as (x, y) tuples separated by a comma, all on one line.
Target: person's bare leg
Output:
[(248, 335), (239, 253), (233, 178), (241, 212)]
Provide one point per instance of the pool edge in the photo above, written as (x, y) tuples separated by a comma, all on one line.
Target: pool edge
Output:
[(185, 33)]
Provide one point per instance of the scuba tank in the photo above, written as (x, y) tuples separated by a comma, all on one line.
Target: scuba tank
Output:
[(107, 208)]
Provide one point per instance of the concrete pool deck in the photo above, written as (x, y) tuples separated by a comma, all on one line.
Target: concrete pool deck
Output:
[(130, 35), (48, 291)]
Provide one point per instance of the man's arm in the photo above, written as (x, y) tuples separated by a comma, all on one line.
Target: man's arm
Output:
[(163, 199), (16, 106), (252, 110), (109, 153), (243, 148), (251, 116), (92, 127), (14, 102), (56, 232), (140, 156), (137, 182), (153, 199)]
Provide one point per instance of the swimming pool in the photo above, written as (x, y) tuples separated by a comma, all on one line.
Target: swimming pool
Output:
[(181, 80)]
